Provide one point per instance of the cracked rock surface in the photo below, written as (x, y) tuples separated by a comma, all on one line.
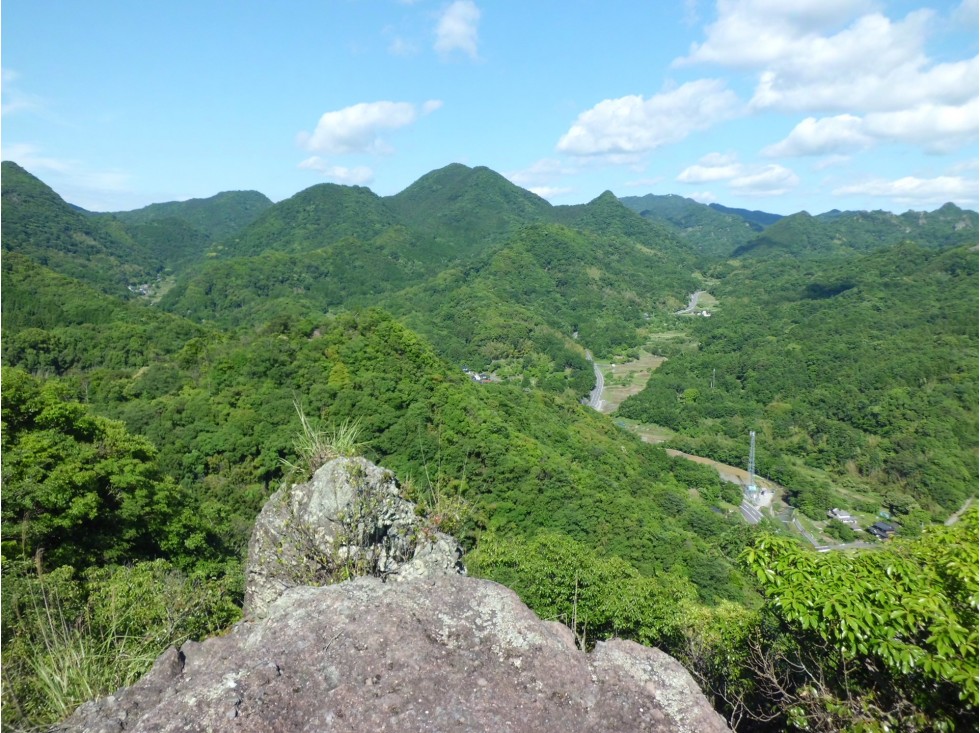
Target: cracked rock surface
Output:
[(443, 653), (348, 519)]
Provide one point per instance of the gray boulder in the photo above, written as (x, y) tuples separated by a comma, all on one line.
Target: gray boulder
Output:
[(348, 520), (443, 653)]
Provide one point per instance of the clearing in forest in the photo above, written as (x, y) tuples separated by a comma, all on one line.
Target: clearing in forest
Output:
[(625, 379)]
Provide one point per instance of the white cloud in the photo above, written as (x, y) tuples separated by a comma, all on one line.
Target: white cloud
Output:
[(920, 191), (14, 98), (967, 14), (772, 180), (843, 133), (753, 33), (92, 189), (712, 167), (971, 166), (550, 192), (457, 29), (357, 176), (631, 125), (74, 172), (936, 128), (356, 129), (874, 65), (29, 156), (691, 15), (833, 56), (400, 47), (644, 182), (540, 172), (751, 180), (830, 161), (703, 197)]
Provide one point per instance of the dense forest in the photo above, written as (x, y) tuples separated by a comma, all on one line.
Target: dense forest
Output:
[(158, 366)]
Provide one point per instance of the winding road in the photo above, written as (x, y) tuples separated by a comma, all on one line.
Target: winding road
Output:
[(595, 396), (692, 303), (958, 513), (750, 512)]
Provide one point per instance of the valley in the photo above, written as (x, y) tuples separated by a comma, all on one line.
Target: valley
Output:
[(631, 352), (627, 378)]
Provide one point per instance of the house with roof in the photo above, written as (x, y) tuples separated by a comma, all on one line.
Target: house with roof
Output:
[(882, 530), (841, 516)]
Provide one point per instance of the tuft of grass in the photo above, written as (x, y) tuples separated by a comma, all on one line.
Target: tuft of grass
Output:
[(315, 445), (67, 641), (72, 663)]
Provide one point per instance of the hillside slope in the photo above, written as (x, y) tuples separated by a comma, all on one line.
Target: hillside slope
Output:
[(864, 366), (38, 223)]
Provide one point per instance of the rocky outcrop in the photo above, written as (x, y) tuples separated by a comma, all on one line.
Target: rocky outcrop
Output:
[(348, 520), (445, 653), (435, 651)]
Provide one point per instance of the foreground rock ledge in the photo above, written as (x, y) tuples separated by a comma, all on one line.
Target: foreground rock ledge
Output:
[(446, 653)]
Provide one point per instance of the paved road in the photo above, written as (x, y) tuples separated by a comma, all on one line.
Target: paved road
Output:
[(595, 397), (692, 303), (750, 513), (956, 516)]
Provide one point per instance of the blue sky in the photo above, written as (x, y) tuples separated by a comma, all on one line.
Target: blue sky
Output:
[(764, 104)]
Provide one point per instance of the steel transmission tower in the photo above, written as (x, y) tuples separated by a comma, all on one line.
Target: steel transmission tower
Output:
[(751, 486)]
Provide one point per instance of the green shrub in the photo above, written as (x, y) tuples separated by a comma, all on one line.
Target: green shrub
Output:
[(67, 640)]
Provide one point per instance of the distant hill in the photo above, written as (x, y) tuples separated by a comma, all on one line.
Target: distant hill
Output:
[(219, 216), (710, 231), (312, 219), (470, 260), (174, 243), (235, 291), (38, 223), (947, 226), (841, 232), (53, 323), (863, 365), (461, 210), (548, 282), (607, 215), (758, 218)]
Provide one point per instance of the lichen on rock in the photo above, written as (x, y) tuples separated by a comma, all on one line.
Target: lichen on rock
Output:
[(348, 520), (444, 653), (434, 651)]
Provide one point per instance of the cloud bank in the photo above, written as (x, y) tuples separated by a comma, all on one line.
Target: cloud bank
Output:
[(457, 29), (358, 128), (633, 124)]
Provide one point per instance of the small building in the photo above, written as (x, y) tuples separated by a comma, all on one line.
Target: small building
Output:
[(882, 530), (841, 516)]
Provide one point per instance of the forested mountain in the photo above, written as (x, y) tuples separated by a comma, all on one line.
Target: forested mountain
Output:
[(720, 231), (166, 378), (313, 218), (219, 216), (38, 223), (142, 435), (865, 367), (460, 211), (55, 325), (546, 284), (754, 217), (713, 232), (838, 232), (468, 258)]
